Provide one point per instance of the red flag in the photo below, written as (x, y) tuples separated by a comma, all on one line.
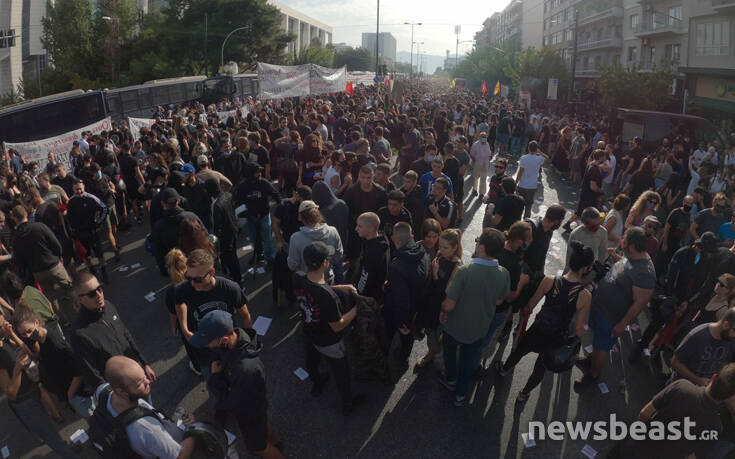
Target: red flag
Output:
[(484, 87), (387, 81), (349, 89), (459, 86)]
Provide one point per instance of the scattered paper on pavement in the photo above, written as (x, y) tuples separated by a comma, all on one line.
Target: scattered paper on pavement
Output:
[(301, 373), (262, 324), (150, 296), (135, 266), (5, 452), (589, 451), (80, 436), (123, 269), (588, 349), (528, 442), (603, 388)]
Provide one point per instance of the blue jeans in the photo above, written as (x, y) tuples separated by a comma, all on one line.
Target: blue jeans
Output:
[(262, 228), (34, 417), (515, 145), (469, 356), (497, 321)]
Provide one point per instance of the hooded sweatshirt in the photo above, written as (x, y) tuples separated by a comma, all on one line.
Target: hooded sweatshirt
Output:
[(335, 211), (305, 236), (240, 387), (407, 280), (374, 259)]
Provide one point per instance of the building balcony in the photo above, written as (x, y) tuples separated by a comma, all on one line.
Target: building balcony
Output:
[(658, 24), (642, 65), (586, 73), (590, 16), (600, 44), (724, 6)]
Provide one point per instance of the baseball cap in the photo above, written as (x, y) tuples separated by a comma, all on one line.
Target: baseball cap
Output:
[(202, 159), (462, 139), (213, 325), (707, 242), (170, 196), (188, 169), (307, 205), (652, 219), (315, 253), (637, 139)]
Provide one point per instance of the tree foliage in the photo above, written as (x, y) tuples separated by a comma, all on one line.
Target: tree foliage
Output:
[(315, 53), (630, 88), (356, 59)]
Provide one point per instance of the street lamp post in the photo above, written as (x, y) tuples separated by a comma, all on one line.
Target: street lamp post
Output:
[(377, 40), (222, 50), (115, 51), (418, 54), (412, 24), (456, 55)]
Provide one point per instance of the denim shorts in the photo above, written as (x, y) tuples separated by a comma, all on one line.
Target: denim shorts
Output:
[(602, 331)]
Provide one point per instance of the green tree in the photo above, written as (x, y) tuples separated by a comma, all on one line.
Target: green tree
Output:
[(315, 53), (531, 69), (631, 88), (71, 36), (356, 59), (483, 64)]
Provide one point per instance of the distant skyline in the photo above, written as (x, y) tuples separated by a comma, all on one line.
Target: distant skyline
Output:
[(350, 18)]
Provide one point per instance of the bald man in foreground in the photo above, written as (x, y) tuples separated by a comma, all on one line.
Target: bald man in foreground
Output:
[(153, 435)]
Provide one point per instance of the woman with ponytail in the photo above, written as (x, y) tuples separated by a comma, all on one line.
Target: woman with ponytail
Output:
[(565, 296)]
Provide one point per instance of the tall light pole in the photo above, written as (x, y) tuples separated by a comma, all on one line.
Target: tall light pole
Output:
[(418, 54), (574, 56), (115, 51), (456, 56), (457, 31), (222, 50), (377, 39), (412, 24)]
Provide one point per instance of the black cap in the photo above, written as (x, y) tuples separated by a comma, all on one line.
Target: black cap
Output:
[(315, 253), (251, 167), (170, 196), (707, 242)]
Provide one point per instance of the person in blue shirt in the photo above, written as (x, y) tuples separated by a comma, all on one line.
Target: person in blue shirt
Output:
[(726, 232), (427, 180)]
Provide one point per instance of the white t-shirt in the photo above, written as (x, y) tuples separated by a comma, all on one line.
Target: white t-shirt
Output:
[(151, 438), (694, 182), (610, 175), (531, 165), (332, 172)]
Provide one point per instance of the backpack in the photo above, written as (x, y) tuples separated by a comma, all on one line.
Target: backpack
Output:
[(107, 433)]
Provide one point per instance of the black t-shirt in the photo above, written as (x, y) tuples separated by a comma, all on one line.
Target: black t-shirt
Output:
[(259, 155), (67, 183), (511, 209), (319, 305), (288, 214), (28, 388), (707, 221), (512, 262), (360, 201), (226, 296), (420, 166), (451, 168), (127, 167), (59, 364), (388, 221), (446, 208), (678, 221)]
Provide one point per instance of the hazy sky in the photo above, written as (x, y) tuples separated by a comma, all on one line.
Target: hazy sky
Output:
[(350, 18)]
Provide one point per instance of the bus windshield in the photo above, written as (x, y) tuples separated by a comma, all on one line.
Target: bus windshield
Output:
[(35, 121)]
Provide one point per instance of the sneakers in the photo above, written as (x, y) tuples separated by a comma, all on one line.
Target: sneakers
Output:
[(194, 369), (356, 401), (317, 386), (586, 381), (499, 368), (460, 401), (567, 227), (522, 397), (117, 255), (449, 385), (506, 331), (474, 193)]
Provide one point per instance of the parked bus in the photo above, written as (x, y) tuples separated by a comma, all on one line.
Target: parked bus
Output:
[(652, 127)]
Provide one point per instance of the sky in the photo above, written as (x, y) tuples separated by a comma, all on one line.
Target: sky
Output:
[(350, 18)]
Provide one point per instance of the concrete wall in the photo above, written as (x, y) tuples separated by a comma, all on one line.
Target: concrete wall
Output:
[(11, 59)]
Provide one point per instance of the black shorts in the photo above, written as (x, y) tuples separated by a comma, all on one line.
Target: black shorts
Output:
[(458, 189), (91, 242), (254, 429)]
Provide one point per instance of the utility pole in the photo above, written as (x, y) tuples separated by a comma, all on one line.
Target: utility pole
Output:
[(377, 40), (457, 30), (574, 55), (206, 62), (412, 24)]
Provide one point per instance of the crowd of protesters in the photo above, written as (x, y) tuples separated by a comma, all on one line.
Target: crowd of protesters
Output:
[(355, 205)]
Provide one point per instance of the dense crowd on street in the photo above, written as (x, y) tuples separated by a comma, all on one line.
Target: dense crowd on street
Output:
[(354, 206)]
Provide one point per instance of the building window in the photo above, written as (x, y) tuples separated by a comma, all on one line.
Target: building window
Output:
[(713, 39), (672, 52), (674, 15), (632, 54), (635, 19)]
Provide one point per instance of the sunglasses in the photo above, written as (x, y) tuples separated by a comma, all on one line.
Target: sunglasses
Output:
[(198, 280), (93, 293), (499, 167)]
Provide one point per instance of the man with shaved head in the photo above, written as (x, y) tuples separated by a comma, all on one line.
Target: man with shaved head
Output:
[(152, 435), (369, 274)]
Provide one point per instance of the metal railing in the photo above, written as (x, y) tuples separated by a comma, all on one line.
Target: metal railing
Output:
[(658, 22), (603, 43)]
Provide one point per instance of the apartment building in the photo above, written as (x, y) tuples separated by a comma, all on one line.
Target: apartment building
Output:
[(516, 27)]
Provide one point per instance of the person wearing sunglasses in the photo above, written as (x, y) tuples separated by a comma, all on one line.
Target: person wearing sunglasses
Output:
[(99, 333), (203, 292)]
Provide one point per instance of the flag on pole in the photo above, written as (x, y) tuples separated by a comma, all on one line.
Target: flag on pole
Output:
[(484, 87), (454, 83), (497, 88), (350, 89), (459, 86), (387, 82)]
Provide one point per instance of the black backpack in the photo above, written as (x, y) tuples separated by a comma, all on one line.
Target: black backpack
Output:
[(107, 433)]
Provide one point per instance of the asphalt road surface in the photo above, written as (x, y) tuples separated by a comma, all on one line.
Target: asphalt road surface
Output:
[(415, 417)]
